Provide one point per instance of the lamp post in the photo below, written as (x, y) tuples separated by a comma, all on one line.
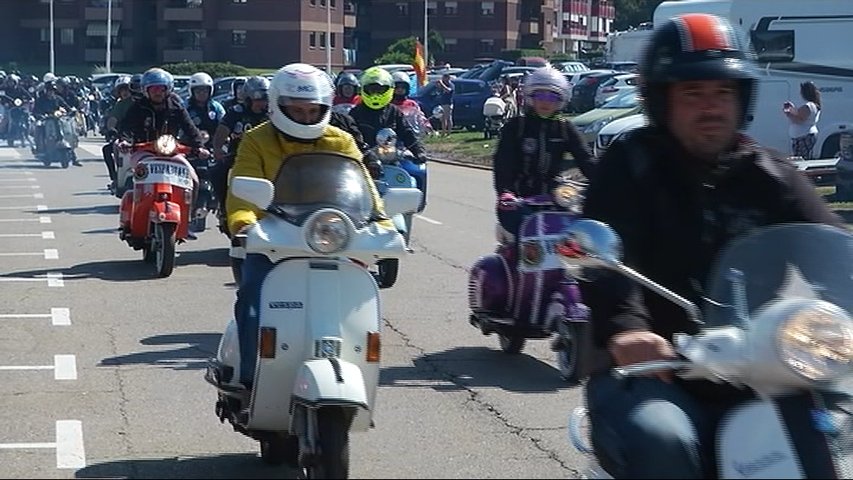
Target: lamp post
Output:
[(109, 35), (329, 37), (426, 34), (52, 51)]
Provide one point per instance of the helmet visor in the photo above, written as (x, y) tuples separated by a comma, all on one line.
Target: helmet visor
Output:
[(376, 89), (546, 96)]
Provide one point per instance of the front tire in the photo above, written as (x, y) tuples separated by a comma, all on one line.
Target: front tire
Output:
[(388, 269), (569, 346), (65, 158), (164, 248), (332, 459)]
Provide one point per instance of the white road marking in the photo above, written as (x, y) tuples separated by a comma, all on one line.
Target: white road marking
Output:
[(54, 279), (15, 446), (21, 220), (93, 150), (22, 172), (428, 220), (28, 179), (44, 219), (69, 444), (64, 367), (33, 187), (58, 316), (42, 235), (25, 207), (24, 195), (41, 208), (48, 253), (11, 154)]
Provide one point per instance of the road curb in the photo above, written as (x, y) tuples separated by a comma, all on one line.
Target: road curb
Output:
[(457, 163)]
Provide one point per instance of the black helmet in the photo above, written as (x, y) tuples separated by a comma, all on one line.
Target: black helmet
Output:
[(694, 46), (136, 83), (256, 88), (347, 79)]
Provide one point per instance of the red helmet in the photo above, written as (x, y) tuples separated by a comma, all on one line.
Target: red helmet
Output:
[(694, 46)]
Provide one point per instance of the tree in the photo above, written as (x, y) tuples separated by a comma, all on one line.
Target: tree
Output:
[(403, 50), (630, 13)]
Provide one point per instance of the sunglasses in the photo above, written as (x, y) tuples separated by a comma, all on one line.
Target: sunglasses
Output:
[(546, 96), (156, 89), (376, 89)]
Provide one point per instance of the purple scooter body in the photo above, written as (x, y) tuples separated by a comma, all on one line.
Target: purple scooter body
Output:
[(521, 291)]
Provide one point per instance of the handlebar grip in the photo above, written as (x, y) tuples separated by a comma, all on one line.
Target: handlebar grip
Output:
[(644, 368)]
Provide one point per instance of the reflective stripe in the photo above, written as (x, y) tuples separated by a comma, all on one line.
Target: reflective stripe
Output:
[(700, 32)]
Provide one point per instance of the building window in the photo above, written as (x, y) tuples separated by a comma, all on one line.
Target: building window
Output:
[(238, 1), (487, 45), (66, 36), (322, 39), (44, 34), (332, 40), (331, 3), (312, 39), (449, 45), (487, 8), (322, 3), (238, 38), (432, 7), (188, 39), (451, 8), (403, 9), (313, 3)]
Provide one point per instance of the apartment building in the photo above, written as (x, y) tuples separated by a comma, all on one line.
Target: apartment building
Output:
[(253, 33), (470, 28), (584, 25)]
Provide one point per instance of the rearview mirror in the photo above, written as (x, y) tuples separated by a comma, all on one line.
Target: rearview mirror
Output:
[(257, 191), (590, 243)]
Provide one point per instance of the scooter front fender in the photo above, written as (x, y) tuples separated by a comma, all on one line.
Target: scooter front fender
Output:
[(330, 381), (166, 212)]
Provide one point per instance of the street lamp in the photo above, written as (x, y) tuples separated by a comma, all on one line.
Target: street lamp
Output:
[(426, 33), (52, 51), (329, 37), (109, 35)]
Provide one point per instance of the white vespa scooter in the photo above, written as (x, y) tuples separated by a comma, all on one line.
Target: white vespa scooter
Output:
[(776, 321), (319, 319)]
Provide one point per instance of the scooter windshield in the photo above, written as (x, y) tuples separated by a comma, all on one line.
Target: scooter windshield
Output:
[(782, 261), (308, 182)]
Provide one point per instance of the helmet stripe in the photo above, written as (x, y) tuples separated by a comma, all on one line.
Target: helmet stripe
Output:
[(700, 32)]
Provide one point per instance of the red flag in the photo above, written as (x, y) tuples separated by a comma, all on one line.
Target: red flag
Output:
[(420, 64)]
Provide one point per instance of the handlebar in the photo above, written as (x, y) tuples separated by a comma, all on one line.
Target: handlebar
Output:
[(644, 368)]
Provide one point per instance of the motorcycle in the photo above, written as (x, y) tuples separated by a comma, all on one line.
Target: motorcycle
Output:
[(319, 319), (398, 170), (775, 320), (60, 138), (155, 214), (520, 292), (206, 201), (343, 108), (19, 124)]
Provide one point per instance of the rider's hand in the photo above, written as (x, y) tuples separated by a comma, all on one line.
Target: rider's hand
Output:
[(124, 146), (507, 201), (637, 346), (203, 153)]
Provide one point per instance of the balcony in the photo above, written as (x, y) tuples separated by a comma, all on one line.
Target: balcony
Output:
[(183, 14), (97, 13), (173, 55), (99, 55)]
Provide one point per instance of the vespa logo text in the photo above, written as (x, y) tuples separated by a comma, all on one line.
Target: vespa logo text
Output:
[(287, 305), (167, 169), (769, 459)]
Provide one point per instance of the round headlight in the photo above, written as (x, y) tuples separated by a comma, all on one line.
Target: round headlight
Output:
[(566, 196), (165, 145), (327, 233), (18, 102), (817, 342)]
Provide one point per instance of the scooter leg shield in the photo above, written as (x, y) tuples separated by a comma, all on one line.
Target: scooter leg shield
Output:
[(228, 352)]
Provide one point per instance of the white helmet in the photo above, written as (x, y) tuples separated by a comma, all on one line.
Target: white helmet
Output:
[(303, 82), (48, 77), (200, 79), (547, 78)]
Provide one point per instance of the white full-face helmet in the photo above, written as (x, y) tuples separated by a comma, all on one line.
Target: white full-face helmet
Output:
[(48, 77), (201, 79), (547, 79), (300, 82)]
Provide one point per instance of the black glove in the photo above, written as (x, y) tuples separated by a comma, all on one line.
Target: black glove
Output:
[(420, 158), (375, 168), (111, 135)]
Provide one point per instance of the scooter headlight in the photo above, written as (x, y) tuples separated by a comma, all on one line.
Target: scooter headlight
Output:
[(327, 232), (165, 145), (18, 102), (566, 196), (817, 342)]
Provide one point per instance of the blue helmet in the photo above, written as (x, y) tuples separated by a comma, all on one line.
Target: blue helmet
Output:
[(156, 76)]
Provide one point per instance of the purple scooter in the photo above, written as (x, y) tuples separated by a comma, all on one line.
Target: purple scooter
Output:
[(521, 290)]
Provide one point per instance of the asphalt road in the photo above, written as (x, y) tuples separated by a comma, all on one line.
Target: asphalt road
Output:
[(102, 363)]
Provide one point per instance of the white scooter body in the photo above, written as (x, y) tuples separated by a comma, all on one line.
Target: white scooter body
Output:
[(321, 318)]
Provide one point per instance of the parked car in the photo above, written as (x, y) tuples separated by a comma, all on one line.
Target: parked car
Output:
[(488, 73), (222, 88), (574, 79), (571, 67), (616, 85), (614, 129), (469, 95), (583, 92), (589, 123)]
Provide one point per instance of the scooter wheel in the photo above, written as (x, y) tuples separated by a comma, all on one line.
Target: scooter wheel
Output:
[(388, 268)]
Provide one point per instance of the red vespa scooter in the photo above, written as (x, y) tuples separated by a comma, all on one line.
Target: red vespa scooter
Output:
[(155, 214)]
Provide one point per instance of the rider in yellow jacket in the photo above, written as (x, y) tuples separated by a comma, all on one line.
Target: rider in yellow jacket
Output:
[(300, 101)]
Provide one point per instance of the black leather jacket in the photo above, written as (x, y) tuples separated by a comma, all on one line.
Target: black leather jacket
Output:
[(370, 121), (144, 122)]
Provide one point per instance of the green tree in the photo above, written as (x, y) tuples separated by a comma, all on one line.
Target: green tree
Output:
[(630, 13), (403, 50)]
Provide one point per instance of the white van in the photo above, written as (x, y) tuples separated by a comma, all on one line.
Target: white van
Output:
[(794, 41)]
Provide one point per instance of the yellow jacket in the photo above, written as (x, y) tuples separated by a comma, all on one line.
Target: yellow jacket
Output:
[(261, 153)]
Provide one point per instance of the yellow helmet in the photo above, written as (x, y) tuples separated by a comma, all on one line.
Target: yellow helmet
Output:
[(377, 88)]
